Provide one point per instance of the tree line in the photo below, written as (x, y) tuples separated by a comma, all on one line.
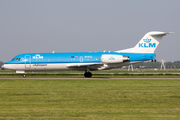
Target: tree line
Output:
[(175, 64)]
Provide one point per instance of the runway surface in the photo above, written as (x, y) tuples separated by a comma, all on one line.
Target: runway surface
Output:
[(65, 78)]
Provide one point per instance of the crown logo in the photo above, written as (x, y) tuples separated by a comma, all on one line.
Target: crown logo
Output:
[(37, 57), (147, 40)]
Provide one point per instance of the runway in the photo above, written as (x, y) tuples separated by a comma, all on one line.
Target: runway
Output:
[(93, 78)]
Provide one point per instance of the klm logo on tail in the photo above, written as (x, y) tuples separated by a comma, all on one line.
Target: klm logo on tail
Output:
[(147, 44)]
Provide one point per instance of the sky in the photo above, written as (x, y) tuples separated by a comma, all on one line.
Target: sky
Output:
[(34, 26)]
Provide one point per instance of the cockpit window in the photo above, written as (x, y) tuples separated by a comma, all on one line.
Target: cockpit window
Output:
[(16, 59)]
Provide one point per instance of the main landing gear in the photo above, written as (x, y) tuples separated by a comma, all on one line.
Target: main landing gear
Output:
[(87, 74)]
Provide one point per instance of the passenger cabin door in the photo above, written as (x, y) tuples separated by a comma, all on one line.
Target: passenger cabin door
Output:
[(27, 61)]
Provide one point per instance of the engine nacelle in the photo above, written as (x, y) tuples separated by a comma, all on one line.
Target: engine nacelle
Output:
[(113, 58)]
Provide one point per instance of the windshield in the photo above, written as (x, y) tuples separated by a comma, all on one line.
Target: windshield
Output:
[(16, 59)]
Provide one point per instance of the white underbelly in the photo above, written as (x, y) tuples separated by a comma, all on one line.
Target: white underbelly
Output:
[(33, 67)]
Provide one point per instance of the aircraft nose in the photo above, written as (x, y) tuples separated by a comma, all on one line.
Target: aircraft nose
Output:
[(2, 66)]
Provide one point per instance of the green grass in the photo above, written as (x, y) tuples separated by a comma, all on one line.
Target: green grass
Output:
[(90, 99), (120, 71), (104, 75)]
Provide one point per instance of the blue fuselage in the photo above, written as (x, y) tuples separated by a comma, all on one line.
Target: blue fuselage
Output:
[(79, 57)]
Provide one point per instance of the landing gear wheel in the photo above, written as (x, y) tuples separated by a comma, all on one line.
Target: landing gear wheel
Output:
[(24, 75), (154, 60), (87, 74)]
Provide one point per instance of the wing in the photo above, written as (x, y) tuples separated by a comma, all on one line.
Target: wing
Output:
[(84, 66)]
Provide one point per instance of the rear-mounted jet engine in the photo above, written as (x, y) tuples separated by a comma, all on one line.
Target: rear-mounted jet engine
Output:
[(113, 58)]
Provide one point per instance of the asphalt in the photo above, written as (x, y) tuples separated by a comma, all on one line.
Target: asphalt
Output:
[(63, 78)]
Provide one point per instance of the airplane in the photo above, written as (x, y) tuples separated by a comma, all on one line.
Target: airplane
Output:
[(88, 61)]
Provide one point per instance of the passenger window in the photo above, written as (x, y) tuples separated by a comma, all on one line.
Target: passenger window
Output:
[(59, 59), (16, 59), (19, 59), (96, 58), (36, 59), (42, 59), (64, 59), (68, 59), (48, 59), (45, 59), (56, 59)]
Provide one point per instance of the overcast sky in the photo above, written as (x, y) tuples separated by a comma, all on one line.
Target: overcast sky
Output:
[(28, 26)]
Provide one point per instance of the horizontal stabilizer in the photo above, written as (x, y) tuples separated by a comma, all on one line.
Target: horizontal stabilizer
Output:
[(160, 33)]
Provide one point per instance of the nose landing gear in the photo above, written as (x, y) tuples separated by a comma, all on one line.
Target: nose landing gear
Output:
[(154, 60), (24, 75)]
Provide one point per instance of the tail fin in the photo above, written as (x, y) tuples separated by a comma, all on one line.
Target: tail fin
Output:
[(148, 43)]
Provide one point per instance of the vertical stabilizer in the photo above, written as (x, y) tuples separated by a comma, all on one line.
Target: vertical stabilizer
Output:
[(148, 43)]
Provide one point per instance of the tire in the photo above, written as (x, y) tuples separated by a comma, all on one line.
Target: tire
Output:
[(24, 75), (88, 74)]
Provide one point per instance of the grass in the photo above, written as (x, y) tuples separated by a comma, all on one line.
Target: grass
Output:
[(119, 71), (104, 75), (99, 99)]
